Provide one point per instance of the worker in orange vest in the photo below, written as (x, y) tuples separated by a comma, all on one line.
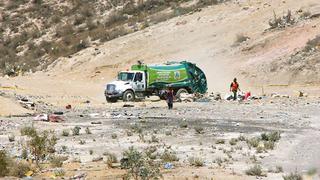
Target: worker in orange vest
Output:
[(234, 87)]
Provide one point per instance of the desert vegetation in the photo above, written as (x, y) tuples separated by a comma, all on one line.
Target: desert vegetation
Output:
[(66, 28)]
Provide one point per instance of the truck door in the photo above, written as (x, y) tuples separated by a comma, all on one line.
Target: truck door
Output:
[(139, 83)]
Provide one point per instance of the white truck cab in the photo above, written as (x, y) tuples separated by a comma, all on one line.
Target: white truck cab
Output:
[(127, 85)]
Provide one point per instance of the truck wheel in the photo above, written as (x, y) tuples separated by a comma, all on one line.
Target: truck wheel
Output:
[(128, 96), (180, 91), (111, 100)]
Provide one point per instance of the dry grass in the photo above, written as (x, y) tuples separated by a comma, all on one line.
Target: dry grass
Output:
[(256, 170), (196, 161)]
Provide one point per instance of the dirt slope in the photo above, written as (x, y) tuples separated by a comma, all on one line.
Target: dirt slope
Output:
[(9, 108), (207, 38)]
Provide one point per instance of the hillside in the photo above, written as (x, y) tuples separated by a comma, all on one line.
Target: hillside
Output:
[(253, 40), (34, 33), (56, 57), (230, 39)]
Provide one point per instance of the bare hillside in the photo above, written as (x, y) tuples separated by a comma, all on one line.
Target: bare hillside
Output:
[(231, 39), (34, 33)]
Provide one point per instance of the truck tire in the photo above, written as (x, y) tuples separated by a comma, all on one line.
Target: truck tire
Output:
[(111, 100), (128, 96), (180, 91)]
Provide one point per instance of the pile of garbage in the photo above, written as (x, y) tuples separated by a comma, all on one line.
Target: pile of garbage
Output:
[(185, 97), (214, 96)]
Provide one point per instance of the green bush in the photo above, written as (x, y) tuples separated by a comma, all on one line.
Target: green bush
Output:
[(292, 176), (169, 156), (19, 169), (4, 169), (111, 158), (220, 141), (139, 166), (76, 131), (256, 170), (233, 141), (199, 130), (65, 132), (253, 142), (42, 144), (272, 136), (28, 131), (195, 161), (57, 161)]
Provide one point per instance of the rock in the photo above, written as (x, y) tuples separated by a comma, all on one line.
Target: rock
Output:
[(154, 98), (185, 97), (97, 159), (115, 165), (98, 122), (128, 105), (58, 113), (94, 115), (79, 176)]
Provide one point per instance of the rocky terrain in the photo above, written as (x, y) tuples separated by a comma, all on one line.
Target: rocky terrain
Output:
[(59, 53), (216, 139)]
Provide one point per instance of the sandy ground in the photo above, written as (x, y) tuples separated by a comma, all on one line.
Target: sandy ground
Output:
[(296, 119), (206, 38), (9, 107)]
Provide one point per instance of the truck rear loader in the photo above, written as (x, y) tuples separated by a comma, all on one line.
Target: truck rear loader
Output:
[(145, 80)]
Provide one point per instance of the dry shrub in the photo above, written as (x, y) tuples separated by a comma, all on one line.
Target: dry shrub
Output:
[(241, 38), (312, 44), (281, 22), (256, 170)]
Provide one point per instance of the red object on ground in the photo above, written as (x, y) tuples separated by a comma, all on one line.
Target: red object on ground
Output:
[(55, 118), (247, 95), (68, 106)]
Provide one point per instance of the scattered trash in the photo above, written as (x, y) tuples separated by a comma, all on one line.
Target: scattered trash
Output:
[(186, 97), (247, 95), (94, 115), (275, 95), (97, 159), (98, 122), (128, 105), (203, 99), (228, 97), (168, 166), (79, 176), (49, 118), (215, 96), (58, 113), (55, 118), (68, 106), (27, 104), (29, 173), (41, 117)]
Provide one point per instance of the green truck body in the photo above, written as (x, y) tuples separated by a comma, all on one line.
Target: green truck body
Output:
[(176, 75)]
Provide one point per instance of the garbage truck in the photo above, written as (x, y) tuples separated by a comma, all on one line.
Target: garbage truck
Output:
[(145, 80)]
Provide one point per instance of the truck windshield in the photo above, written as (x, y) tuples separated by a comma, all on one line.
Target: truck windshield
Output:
[(125, 76)]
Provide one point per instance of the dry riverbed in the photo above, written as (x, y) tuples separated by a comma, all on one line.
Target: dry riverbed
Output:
[(219, 139)]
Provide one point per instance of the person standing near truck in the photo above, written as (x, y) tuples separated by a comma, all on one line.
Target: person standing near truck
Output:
[(169, 97), (234, 87)]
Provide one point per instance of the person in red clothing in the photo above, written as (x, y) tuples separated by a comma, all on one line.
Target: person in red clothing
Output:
[(234, 87)]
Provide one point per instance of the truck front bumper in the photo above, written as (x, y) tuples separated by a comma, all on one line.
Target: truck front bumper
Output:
[(113, 95)]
